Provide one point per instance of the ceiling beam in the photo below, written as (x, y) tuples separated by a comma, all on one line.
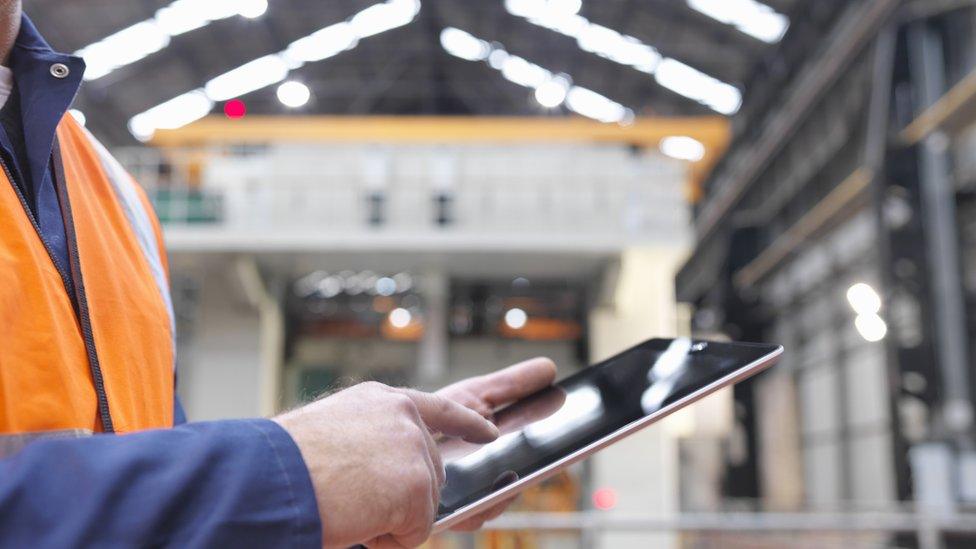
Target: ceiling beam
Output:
[(645, 131)]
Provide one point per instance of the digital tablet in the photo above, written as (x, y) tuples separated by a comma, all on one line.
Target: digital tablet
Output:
[(585, 412)]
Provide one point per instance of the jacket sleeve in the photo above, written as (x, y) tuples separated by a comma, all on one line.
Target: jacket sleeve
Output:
[(236, 483), (179, 414)]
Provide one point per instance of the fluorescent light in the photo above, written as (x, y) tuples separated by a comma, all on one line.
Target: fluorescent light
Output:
[(251, 76), (180, 17), (146, 37), (175, 113), (274, 68), (597, 39), (625, 50), (461, 44), (334, 39), (748, 16), (516, 318), (252, 9), (79, 116), (496, 59), (518, 70), (126, 46), (550, 91), (694, 84), (293, 94), (322, 44), (683, 148), (867, 303), (871, 327), (383, 17), (214, 10), (551, 94), (864, 299), (629, 51), (593, 105), (569, 7), (543, 8)]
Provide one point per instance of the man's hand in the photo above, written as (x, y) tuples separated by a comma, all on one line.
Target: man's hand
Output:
[(484, 394), (373, 462)]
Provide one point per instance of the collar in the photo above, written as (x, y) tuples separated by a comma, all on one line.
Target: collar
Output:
[(47, 82), (29, 38)]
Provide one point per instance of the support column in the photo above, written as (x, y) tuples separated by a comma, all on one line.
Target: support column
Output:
[(642, 470), (433, 352), (938, 204), (263, 295)]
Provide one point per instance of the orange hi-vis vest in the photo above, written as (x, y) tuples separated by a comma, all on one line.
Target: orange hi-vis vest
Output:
[(106, 365)]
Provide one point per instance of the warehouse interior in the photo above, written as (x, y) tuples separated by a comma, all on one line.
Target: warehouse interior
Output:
[(417, 191)]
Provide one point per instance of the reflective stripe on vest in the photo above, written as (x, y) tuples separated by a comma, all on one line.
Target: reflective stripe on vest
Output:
[(11, 444), (49, 378)]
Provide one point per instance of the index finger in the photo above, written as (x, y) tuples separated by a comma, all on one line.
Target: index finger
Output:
[(450, 418), (517, 381)]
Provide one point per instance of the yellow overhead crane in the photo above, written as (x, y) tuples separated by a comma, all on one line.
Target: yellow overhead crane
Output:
[(643, 132)]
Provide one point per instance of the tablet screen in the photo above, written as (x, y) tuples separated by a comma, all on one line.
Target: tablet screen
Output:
[(584, 408)]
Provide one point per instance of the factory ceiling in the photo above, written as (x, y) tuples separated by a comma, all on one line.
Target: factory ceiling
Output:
[(645, 57)]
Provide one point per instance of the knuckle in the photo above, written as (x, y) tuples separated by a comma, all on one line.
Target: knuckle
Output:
[(406, 427), (404, 404), (419, 484), (443, 405), (372, 385)]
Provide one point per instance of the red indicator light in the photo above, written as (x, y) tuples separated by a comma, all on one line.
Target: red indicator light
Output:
[(604, 499), (235, 108)]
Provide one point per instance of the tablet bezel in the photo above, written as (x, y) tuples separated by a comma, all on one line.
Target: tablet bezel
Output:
[(485, 503)]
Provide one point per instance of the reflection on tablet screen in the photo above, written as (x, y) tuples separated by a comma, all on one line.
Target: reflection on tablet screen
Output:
[(584, 408)]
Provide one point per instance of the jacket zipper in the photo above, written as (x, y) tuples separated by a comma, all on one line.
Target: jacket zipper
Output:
[(79, 303)]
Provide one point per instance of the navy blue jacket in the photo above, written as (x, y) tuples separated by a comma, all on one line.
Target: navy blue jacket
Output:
[(239, 483)]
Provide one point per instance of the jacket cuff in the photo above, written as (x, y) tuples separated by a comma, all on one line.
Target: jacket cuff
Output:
[(291, 472)]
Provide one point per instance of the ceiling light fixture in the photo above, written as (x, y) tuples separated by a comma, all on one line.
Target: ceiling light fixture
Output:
[(867, 303), (274, 68), (138, 41), (551, 94), (591, 104), (871, 327), (321, 44), (629, 51), (551, 90), (122, 48), (461, 44), (176, 112), (251, 76), (682, 147), (293, 94), (694, 84), (863, 298), (252, 9), (383, 17), (748, 16), (518, 70)]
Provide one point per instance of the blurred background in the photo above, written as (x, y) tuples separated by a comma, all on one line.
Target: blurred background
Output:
[(417, 191)]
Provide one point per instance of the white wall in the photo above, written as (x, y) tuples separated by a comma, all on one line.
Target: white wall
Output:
[(219, 363), (643, 469)]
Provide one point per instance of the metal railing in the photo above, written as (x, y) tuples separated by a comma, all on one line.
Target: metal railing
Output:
[(558, 191), (929, 530)]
